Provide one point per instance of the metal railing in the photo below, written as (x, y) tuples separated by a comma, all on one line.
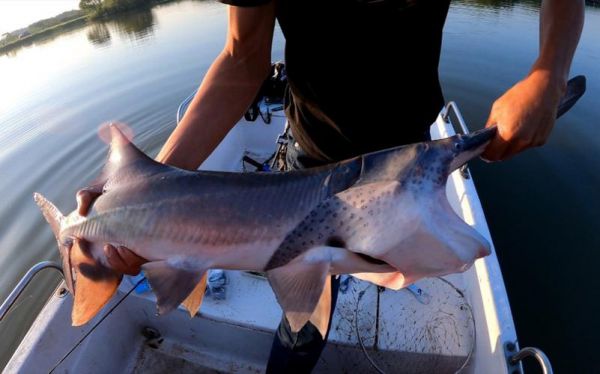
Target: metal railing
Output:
[(18, 290), (445, 113)]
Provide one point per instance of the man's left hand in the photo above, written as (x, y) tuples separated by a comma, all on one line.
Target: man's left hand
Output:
[(525, 115)]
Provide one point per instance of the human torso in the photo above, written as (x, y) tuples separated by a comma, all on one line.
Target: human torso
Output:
[(362, 74)]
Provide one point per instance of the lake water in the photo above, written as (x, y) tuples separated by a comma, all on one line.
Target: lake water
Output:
[(543, 207)]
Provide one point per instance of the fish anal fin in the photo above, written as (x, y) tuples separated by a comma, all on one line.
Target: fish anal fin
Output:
[(392, 280), (322, 314), (193, 301), (171, 284), (94, 285), (298, 287)]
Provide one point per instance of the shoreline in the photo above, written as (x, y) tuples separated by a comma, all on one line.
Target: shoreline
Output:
[(80, 21), (72, 23)]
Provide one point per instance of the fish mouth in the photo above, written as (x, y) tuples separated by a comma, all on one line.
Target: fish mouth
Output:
[(478, 139)]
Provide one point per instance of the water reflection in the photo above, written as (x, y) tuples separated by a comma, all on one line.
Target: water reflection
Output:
[(500, 4), (135, 26), (98, 34)]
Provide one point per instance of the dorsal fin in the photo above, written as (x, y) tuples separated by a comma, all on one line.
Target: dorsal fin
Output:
[(125, 157)]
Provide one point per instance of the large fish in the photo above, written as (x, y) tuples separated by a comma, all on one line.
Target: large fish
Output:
[(383, 217)]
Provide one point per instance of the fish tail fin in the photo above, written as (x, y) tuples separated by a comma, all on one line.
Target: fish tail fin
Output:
[(174, 284), (51, 213), (95, 284), (55, 218), (91, 283)]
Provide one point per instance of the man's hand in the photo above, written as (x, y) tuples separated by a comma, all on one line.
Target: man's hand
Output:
[(525, 115), (123, 259)]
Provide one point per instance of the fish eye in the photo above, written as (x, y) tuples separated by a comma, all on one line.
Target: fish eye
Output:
[(458, 146)]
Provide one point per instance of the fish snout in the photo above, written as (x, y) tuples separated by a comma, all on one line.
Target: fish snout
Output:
[(467, 147), (477, 140)]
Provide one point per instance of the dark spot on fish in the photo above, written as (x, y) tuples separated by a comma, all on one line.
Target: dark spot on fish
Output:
[(335, 241)]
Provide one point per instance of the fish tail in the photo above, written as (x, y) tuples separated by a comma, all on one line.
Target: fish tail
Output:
[(55, 218), (51, 213)]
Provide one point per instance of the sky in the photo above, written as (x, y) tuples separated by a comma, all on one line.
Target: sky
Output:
[(16, 14)]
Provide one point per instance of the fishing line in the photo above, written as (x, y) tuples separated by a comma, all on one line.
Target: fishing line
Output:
[(362, 346), (468, 359), (97, 324), (466, 304)]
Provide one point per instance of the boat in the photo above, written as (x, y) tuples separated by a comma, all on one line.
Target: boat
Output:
[(456, 323)]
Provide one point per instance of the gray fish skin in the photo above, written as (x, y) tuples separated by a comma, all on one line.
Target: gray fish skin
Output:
[(382, 213)]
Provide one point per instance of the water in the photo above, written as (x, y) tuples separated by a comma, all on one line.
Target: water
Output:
[(543, 206)]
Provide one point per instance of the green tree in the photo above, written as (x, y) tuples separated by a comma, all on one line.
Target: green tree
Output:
[(90, 6)]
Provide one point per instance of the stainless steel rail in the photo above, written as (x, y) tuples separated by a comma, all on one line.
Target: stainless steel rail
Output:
[(445, 113), (539, 356), (16, 292)]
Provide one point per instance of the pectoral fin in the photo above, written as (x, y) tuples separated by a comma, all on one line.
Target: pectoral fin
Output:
[(298, 287), (172, 285), (322, 314), (94, 284)]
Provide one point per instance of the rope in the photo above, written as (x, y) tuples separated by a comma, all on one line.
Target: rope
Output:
[(96, 325)]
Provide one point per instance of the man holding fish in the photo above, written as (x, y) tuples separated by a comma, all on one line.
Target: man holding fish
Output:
[(352, 67)]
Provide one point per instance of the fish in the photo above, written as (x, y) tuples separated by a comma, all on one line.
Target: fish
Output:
[(383, 217)]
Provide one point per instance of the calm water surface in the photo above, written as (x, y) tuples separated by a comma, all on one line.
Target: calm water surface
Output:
[(543, 206)]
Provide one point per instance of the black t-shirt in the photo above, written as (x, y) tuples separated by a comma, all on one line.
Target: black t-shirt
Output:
[(362, 74)]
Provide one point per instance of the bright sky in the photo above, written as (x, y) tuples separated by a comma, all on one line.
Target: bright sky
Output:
[(16, 14)]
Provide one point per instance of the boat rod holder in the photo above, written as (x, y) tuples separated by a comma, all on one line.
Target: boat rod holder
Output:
[(16, 292)]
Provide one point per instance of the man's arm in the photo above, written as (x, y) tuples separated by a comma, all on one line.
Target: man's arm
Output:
[(525, 114), (227, 90)]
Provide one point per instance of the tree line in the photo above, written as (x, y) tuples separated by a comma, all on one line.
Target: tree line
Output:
[(100, 8)]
